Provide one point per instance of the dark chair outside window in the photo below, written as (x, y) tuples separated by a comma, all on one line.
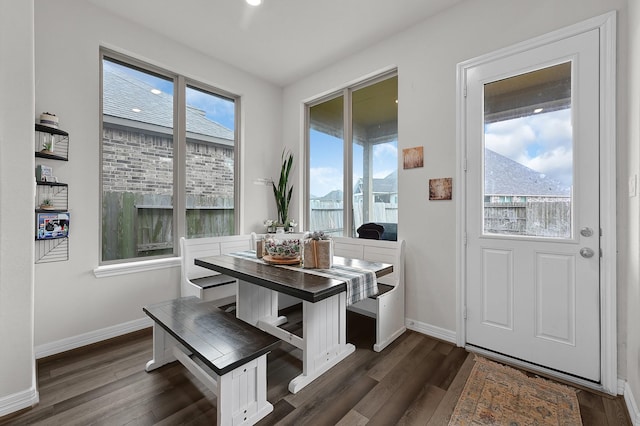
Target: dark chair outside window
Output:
[(370, 231)]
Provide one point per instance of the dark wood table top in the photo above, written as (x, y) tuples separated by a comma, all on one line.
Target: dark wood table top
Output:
[(296, 283), (219, 339)]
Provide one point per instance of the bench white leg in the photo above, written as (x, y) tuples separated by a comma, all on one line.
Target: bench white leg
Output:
[(242, 394), (325, 339), (389, 319), (163, 345)]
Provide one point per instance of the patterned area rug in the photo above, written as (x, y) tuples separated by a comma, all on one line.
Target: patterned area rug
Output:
[(499, 395)]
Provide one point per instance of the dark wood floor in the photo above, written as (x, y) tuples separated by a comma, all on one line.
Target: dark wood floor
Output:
[(415, 381)]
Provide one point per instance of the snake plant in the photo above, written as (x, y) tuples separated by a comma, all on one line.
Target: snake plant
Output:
[(282, 192)]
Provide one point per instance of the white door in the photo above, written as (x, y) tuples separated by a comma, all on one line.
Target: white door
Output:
[(532, 206)]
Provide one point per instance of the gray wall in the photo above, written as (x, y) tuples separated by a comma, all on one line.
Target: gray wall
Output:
[(17, 364)]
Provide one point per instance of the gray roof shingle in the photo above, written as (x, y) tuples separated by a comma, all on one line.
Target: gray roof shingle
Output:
[(123, 92), (504, 176)]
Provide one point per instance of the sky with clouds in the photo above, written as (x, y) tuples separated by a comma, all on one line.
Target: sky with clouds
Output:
[(542, 142), (326, 169)]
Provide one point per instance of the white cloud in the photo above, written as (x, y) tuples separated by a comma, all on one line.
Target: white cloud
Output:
[(510, 138), (556, 164), (541, 142), (324, 180), (385, 150)]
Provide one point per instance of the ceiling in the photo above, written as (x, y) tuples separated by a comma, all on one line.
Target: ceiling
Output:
[(282, 40)]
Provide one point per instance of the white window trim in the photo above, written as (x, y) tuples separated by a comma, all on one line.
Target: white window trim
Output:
[(347, 189), (139, 264), (112, 270)]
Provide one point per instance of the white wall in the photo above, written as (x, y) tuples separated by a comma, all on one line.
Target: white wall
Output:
[(69, 300), (426, 56), (17, 363), (630, 245)]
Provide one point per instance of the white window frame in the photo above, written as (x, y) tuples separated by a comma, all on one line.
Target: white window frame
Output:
[(347, 187), (138, 264)]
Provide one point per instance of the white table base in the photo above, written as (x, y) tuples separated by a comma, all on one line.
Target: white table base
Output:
[(324, 341)]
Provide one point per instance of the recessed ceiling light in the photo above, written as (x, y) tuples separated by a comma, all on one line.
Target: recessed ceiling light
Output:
[(136, 109), (537, 110), (156, 91), (254, 2)]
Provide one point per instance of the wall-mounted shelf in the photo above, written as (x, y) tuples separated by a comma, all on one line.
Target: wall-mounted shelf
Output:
[(52, 222), (55, 192), (51, 143)]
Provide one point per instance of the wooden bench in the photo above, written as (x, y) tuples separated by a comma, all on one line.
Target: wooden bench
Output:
[(232, 355), (202, 282), (387, 307)]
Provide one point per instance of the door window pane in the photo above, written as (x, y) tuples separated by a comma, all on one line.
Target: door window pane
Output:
[(210, 160), (326, 170), (528, 154), (137, 163)]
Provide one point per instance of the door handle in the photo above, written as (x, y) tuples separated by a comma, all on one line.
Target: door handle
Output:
[(586, 232), (586, 252)]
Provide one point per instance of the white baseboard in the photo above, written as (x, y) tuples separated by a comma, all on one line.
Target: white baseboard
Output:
[(18, 401), (431, 330), (630, 400), (621, 385), (84, 339)]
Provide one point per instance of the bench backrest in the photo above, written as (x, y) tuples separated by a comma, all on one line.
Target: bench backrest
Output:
[(191, 248), (375, 251)]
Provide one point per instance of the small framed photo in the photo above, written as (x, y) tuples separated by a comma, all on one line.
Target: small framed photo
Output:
[(440, 189), (44, 173), (413, 157), (52, 225)]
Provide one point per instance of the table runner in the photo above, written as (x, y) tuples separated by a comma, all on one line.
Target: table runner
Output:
[(361, 283)]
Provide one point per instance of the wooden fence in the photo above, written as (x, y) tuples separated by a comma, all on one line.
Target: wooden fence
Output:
[(328, 216), (540, 218), (138, 225)]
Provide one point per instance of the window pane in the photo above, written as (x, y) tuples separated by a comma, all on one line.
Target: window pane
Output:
[(528, 156), (137, 163), (210, 164), (326, 171), (375, 155)]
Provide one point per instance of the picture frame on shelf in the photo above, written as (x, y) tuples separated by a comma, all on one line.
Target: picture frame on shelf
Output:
[(44, 173)]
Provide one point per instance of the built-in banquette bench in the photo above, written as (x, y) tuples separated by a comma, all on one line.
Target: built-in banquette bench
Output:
[(228, 355), (388, 306), (205, 283)]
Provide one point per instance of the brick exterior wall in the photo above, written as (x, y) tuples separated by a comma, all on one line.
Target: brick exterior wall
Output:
[(133, 161)]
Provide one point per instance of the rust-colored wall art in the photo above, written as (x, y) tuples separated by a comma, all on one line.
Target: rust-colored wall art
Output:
[(440, 189), (413, 157)]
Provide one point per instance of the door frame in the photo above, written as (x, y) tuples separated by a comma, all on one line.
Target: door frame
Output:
[(606, 24)]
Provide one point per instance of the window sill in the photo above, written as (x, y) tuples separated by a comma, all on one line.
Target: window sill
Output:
[(135, 267)]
